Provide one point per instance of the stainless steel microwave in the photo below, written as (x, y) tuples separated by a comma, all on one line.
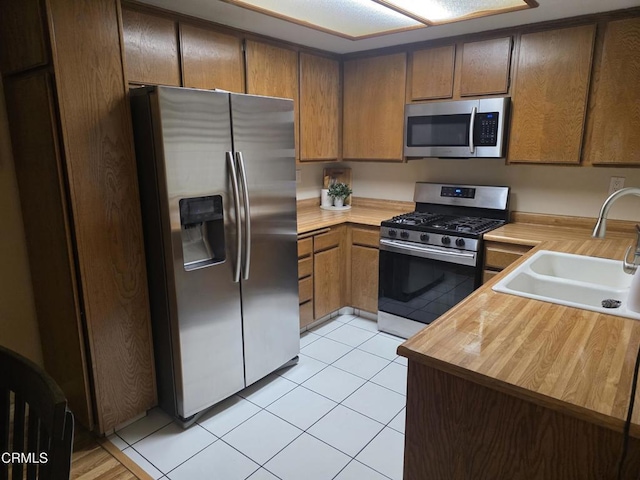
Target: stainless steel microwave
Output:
[(458, 129)]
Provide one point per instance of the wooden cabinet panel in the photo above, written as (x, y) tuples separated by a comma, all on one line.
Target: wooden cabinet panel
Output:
[(327, 283), (432, 73), (614, 124), (373, 108), (151, 48), (22, 35), (103, 192), (306, 314), (211, 59), (326, 240), (364, 278), (550, 95), (501, 255), (40, 175), (305, 288), (485, 67), (305, 267), (361, 236), (273, 71), (305, 247), (488, 275), (319, 108)]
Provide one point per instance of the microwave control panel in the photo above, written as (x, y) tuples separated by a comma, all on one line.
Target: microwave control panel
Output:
[(486, 129)]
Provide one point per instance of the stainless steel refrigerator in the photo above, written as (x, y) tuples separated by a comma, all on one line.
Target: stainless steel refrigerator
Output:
[(217, 186)]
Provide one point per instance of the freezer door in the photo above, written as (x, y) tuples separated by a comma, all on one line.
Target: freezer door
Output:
[(204, 302), (264, 145)]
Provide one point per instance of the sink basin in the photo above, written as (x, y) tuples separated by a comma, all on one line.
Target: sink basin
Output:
[(573, 280), (581, 268)]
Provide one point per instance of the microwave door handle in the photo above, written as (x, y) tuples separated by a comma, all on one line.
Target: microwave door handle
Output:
[(472, 124), (236, 206), (247, 216)]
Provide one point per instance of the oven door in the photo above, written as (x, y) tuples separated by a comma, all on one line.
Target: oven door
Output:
[(418, 283)]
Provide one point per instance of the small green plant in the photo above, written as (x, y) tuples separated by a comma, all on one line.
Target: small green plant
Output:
[(339, 190)]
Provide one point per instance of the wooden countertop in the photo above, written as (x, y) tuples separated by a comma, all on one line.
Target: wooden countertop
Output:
[(312, 217), (571, 360), (534, 234)]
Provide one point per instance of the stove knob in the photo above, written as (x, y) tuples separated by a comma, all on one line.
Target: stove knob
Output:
[(446, 240), (392, 233), (460, 242), (404, 234), (424, 237)]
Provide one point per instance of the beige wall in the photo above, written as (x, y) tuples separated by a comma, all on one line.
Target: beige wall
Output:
[(575, 191), (18, 325)]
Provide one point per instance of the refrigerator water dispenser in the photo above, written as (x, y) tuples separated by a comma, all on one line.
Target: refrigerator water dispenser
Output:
[(202, 222)]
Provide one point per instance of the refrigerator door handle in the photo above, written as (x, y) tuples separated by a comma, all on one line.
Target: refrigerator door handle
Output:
[(247, 216), (236, 203)]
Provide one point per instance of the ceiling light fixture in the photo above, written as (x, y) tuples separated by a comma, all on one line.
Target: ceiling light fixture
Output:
[(358, 19), (435, 12)]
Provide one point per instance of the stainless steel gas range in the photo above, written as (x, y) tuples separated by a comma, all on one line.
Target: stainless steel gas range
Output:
[(430, 259)]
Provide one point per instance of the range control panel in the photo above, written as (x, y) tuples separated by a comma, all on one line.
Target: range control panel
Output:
[(486, 129), (458, 192)]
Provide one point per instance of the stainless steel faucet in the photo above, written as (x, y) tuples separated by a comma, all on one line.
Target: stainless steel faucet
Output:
[(601, 227)]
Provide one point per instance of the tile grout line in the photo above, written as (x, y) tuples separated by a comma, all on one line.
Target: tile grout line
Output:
[(301, 384), (167, 473)]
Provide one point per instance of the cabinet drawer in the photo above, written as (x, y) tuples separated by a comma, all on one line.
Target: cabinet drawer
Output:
[(305, 289), (305, 247), (305, 267), (501, 255), (326, 240), (367, 238), (306, 314)]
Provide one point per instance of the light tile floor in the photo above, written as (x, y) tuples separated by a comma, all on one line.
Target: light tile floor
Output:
[(338, 414)]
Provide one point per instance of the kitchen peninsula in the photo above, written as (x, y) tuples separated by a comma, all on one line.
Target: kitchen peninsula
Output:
[(561, 376)]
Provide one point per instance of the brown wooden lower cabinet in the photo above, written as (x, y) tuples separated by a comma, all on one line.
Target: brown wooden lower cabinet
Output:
[(499, 255), (327, 283), (458, 429), (305, 280), (306, 313), (340, 265), (364, 268)]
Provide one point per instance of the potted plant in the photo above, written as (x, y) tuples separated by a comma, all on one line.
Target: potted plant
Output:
[(339, 192)]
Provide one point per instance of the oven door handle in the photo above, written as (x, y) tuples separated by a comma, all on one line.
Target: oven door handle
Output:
[(453, 253), (455, 256)]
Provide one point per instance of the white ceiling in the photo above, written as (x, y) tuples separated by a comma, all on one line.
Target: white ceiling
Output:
[(234, 16)]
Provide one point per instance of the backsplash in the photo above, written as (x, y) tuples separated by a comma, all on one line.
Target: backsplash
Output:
[(551, 189)]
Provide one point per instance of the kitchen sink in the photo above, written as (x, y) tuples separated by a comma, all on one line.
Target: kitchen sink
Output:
[(576, 281)]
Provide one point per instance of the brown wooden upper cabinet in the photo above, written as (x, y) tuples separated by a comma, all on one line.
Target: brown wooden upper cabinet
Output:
[(613, 127), (550, 95), (373, 108), (273, 71), (211, 59), (151, 48), (24, 48), (432, 73), (482, 69), (485, 67), (319, 108)]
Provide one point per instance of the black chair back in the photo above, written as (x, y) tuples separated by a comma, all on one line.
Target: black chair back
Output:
[(35, 426)]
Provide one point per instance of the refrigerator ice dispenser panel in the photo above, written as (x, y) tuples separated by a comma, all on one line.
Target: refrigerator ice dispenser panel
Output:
[(202, 222)]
